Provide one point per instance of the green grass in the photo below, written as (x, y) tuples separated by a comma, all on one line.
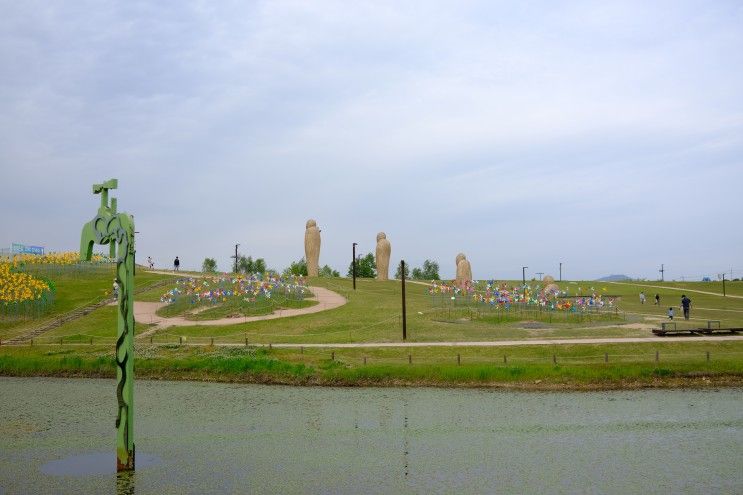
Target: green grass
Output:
[(580, 366), (75, 290), (373, 314)]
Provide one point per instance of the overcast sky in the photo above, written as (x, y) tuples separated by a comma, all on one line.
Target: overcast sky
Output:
[(604, 135)]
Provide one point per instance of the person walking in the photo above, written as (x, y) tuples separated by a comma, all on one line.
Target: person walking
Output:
[(686, 305), (150, 262), (657, 299), (176, 264), (642, 297), (670, 313)]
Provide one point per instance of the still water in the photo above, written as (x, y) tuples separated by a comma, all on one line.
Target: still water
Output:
[(57, 436)]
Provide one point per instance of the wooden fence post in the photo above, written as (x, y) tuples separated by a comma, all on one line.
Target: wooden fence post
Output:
[(459, 359), (656, 356), (332, 356)]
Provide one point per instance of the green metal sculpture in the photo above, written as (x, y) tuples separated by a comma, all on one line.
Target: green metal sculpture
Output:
[(109, 227)]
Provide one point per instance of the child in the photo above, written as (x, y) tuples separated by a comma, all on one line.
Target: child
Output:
[(642, 297), (670, 313)]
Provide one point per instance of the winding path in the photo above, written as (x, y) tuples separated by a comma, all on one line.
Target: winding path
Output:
[(680, 289), (145, 312)]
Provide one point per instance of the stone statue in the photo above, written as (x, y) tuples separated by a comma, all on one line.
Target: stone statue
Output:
[(312, 248), (551, 289), (464, 270), (383, 256)]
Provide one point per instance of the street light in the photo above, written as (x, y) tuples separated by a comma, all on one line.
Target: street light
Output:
[(236, 245), (561, 271), (523, 278)]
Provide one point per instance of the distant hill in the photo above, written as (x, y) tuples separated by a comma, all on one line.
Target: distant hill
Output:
[(613, 278)]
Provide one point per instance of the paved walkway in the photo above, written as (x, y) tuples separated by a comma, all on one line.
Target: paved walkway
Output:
[(496, 343), (145, 312)]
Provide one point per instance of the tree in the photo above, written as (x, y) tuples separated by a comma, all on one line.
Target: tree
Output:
[(326, 271), (398, 273), (296, 268), (430, 271), (209, 265), (365, 267), (250, 266)]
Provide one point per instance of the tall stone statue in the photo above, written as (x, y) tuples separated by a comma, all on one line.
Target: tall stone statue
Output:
[(383, 256), (312, 248), (464, 270)]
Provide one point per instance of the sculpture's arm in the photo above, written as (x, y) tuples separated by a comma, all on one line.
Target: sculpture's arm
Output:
[(87, 239)]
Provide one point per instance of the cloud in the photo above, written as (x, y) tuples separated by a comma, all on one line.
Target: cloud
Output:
[(518, 133)]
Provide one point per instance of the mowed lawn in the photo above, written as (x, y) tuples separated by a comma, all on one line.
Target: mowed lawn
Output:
[(373, 314)]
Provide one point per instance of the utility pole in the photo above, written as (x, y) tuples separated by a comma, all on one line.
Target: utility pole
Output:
[(404, 318), (723, 284), (662, 271), (236, 245), (523, 278), (353, 265), (540, 275), (561, 271)]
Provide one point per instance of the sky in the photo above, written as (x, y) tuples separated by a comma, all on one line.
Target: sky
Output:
[(607, 136)]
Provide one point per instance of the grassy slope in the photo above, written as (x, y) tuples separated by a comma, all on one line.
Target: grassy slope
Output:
[(372, 314), (75, 290)]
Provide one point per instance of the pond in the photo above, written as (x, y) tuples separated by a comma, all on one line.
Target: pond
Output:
[(57, 436)]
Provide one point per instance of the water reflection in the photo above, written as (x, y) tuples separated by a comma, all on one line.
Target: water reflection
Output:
[(125, 483)]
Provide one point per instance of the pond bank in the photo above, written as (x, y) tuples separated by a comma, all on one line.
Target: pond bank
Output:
[(529, 369)]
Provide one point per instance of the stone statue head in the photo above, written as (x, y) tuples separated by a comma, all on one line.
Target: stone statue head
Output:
[(311, 223), (381, 236), (461, 257)]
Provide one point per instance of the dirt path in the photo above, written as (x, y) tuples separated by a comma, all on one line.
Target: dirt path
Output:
[(496, 343), (145, 312), (677, 288)]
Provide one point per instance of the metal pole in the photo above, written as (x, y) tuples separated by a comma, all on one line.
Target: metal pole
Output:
[(523, 278), (723, 285), (236, 257), (353, 265), (561, 271), (662, 271), (404, 318)]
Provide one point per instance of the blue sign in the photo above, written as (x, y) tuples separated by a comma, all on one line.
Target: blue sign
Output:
[(23, 249)]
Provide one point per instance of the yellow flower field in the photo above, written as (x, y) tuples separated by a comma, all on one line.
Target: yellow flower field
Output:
[(20, 287)]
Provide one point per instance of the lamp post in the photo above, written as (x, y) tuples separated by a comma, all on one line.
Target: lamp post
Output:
[(236, 245), (523, 278), (353, 265), (404, 318), (561, 271)]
